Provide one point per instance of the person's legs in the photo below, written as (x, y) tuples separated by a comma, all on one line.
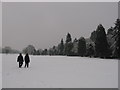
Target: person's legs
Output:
[(25, 64), (19, 64)]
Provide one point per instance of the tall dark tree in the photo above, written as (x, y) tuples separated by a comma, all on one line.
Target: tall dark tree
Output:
[(54, 49), (117, 37), (110, 33), (101, 44), (50, 51), (75, 47), (61, 47), (93, 36), (68, 45), (81, 46), (68, 38), (90, 50)]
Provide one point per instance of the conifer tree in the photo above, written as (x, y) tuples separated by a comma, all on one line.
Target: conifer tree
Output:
[(90, 51), (117, 37), (101, 44), (61, 47), (93, 36), (81, 47), (68, 45)]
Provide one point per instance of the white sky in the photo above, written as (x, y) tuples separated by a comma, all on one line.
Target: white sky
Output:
[(0, 24), (74, 18)]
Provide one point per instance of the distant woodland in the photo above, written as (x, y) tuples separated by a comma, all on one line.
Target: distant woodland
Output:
[(100, 44)]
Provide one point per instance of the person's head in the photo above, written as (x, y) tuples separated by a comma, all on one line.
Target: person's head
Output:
[(27, 54), (20, 54)]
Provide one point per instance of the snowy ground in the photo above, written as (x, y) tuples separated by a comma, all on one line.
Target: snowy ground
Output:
[(0, 71), (60, 72)]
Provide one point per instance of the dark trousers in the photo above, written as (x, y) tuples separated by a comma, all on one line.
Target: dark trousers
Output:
[(27, 65), (20, 64)]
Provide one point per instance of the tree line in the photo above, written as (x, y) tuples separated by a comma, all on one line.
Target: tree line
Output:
[(100, 44)]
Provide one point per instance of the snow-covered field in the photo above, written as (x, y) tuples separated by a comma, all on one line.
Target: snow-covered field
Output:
[(60, 72), (0, 71)]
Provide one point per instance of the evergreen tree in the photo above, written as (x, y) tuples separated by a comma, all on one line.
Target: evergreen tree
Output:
[(30, 49), (61, 48), (50, 51), (68, 38), (110, 35), (81, 46), (68, 45), (90, 50), (101, 44), (93, 36), (54, 50), (117, 38), (75, 47)]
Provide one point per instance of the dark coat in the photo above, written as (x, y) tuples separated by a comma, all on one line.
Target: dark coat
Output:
[(27, 59), (20, 58)]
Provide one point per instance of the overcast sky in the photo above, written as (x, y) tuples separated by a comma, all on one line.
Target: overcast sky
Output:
[(44, 24), (0, 24)]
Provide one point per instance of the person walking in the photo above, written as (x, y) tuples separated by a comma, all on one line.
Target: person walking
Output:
[(27, 60), (20, 60)]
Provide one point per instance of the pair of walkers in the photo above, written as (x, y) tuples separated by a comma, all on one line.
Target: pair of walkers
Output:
[(26, 59)]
